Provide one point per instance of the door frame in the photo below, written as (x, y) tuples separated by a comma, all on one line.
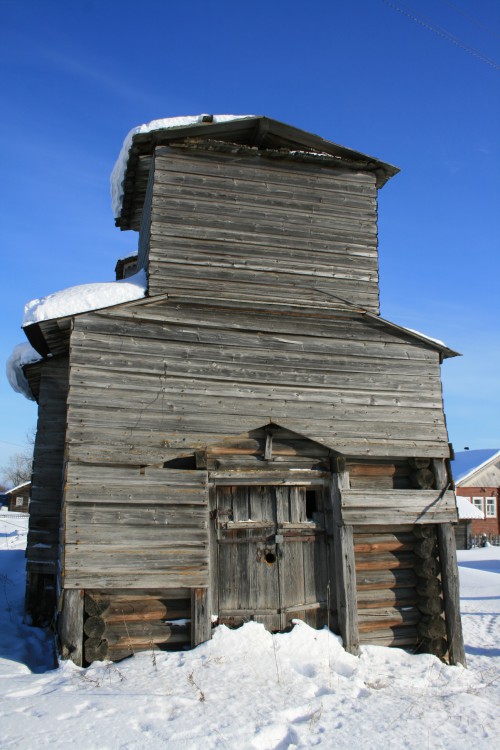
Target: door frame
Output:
[(265, 477)]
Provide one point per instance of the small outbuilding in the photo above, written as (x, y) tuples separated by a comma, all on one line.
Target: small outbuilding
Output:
[(18, 498), (240, 435)]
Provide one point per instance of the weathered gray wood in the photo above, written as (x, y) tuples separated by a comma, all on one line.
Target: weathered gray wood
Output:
[(70, 626), (344, 572), (401, 506), (201, 629), (147, 527), (231, 200), (451, 593)]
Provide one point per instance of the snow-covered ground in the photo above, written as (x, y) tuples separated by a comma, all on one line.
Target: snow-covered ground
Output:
[(248, 689)]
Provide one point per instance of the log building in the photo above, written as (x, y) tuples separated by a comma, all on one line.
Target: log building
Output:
[(251, 440)]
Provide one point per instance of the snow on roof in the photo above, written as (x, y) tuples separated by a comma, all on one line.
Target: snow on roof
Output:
[(466, 510), (85, 297), (429, 338), (19, 487), (467, 462), (22, 354), (118, 173)]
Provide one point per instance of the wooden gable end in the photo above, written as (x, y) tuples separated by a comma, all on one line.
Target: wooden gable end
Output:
[(157, 380)]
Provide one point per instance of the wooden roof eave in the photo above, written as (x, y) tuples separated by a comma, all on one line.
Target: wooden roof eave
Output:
[(444, 350), (261, 132)]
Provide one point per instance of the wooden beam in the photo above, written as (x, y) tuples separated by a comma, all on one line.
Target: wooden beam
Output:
[(70, 626), (451, 593), (344, 571), (201, 625)]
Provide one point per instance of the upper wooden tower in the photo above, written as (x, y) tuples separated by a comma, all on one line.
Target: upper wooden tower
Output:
[(254, 204)]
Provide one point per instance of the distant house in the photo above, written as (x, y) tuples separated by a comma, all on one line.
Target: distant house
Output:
[(18, 498), (477, 478), (467, 513)]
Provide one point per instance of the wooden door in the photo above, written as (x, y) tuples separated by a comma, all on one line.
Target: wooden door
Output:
[(271, 555)]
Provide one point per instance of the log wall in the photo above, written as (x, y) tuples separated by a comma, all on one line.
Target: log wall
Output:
[(123, 622), (246, 218)]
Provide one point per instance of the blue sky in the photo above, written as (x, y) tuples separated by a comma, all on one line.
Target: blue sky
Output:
[(417, 85)]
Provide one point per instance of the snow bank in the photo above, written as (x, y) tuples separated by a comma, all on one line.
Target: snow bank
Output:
[(22, 354), (120, 167), (85, 297), (249, 689)]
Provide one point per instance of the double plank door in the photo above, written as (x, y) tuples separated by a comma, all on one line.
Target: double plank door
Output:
[(272, 555)]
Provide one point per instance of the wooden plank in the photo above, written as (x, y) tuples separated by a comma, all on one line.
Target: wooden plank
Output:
[(201, 629), (344, 573), (404, 506), (70, 626), (451, 593)]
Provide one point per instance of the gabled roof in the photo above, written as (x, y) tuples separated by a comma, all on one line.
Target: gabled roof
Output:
[(50, 336), (467, 464), (259, 132), (22, 486)]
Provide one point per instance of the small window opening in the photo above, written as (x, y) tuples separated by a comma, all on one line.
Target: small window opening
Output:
[(311, 504)]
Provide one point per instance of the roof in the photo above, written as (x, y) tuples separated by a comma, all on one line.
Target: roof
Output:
[(13, 490), (46, 334), (467, 463), (257, 131), (467, 511)]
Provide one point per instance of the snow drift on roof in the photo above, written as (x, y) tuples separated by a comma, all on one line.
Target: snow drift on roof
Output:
[(18, 487), (22, 354), (466, 510), (118, 173), (429, 338), (85, 297)]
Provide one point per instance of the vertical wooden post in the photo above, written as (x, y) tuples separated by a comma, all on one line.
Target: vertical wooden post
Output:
[(451, 593), (344, 572), (201, 625), (70, 625), (449, 575)]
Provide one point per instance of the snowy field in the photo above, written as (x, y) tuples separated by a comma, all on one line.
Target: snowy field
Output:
[(248, 689)]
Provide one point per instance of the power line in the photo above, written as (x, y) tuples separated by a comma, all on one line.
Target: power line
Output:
[(471, 18), (422, 21), (18, 445)]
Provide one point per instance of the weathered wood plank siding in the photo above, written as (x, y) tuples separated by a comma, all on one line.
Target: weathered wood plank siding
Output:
[(153, 382), (42, 551), (132, 527), (401, 506), (294, 226), (48, 459)]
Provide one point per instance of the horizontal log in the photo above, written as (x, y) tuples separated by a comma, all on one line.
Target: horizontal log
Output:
[(428, 568), (382, 546), (373, 598), (385, 579), (399, 636), (382, 619), (94, 627), (95, 649), (425, 547), (384, 561), (430, 605), (371, 470), (432, 627)]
